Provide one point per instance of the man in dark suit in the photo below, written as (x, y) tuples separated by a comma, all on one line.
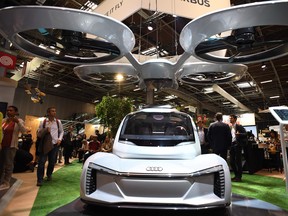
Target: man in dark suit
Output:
[(239, 140), (219, 136), (68, 145)]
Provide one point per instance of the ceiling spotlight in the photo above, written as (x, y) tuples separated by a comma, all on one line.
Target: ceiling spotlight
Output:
[(119, 77), (150, 27)]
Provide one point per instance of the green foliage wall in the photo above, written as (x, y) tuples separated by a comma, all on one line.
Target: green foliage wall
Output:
[(111, 111)]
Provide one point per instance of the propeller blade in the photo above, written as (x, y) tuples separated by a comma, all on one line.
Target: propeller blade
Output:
[(100, 46), (45, 33), (269, 43), (216, 45)]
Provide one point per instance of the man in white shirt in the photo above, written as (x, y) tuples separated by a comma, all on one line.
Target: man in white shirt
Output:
[(239, 140), (51, 133), (202, 133)]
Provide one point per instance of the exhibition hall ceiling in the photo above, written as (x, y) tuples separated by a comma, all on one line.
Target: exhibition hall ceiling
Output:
[(258, 88)]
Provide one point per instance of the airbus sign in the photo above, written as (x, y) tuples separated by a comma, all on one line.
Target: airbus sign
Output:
[(121, 9)]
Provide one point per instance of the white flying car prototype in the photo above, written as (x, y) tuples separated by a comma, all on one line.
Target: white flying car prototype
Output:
[(156, 163)]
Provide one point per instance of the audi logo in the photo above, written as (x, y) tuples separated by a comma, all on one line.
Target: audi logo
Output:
[(154, 169)]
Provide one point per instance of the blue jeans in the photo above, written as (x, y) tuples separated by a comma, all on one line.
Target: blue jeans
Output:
[(51, 163)]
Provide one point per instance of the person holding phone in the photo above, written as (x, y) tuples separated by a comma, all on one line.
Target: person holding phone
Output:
[(12, 126)]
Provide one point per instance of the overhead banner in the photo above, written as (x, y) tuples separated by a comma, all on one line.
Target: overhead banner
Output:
[(7, 60), (121, 9)]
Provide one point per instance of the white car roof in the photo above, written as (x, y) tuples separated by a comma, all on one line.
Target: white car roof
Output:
[(163, 109)]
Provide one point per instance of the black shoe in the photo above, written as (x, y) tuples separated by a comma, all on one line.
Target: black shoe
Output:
[(49, 178), (39, 184), (236, 180), (31, 167), (68, 163)]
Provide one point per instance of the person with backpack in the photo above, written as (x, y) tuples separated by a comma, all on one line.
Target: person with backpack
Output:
[(50, 132)]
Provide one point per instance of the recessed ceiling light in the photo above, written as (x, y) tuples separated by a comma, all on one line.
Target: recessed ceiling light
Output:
[(266, 81), (227, 102), (208, 90), (136, 89), (245, 84)]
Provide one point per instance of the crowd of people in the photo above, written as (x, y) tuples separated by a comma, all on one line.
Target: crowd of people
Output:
[(230, 141), (223, 139), (53, 143), (84, 148)]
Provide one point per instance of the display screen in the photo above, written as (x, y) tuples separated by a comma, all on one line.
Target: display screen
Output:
[(282, 113), (253, 129)]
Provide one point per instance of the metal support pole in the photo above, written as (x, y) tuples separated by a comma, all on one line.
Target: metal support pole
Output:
[(284, 153)]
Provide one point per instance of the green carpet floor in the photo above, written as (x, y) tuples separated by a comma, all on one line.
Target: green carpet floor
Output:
[(64, 188), (268, 189)]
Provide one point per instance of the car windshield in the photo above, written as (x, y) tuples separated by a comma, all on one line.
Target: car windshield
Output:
[(157, 129)]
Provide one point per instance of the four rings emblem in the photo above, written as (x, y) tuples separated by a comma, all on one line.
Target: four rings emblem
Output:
[(155, 169)]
